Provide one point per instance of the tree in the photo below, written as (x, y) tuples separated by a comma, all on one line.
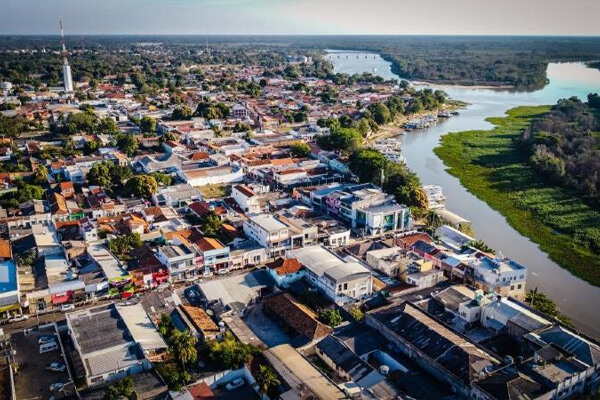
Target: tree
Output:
[(482, 246), (121, 390), (381, 114), (142, 186), (90, 147), (26, 259), (41, 174), (341, 139), (108, 175), (466, 228), (229, 353), (184, 346), (147, 124), (161, 178), (542, 303), (121, 246), (182, 113), (300, 149), (210, 224), (108, 126), (433, 220), (356, 313), (128, 144), (267, 378), (332, 317)]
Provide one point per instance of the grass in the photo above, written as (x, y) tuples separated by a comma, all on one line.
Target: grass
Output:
[(493, 168), (215, 191)]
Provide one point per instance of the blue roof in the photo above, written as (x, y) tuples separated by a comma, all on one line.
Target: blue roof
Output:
[(8, 276)]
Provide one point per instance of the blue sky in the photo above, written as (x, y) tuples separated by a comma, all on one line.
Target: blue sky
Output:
[(529, 17)]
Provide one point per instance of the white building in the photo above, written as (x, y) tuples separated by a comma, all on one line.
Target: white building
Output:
[(340, 281), (246, 199), (269, 232), (501, 275), (211, 176), (178, 259)]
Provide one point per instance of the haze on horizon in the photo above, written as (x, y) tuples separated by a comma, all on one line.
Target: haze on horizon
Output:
[(392, 17)]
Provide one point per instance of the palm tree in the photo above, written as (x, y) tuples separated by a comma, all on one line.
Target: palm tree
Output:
[(433, 220), (267, 379), (184, 344), (165, 325)]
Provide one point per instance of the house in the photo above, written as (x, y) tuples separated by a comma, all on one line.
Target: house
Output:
[(245, 197), (340, 281), (202, 322), (269, 232), (46, 240), (299, 319), (234, 293), (238, 111), (285, 271), (214, 254), (179, 260)]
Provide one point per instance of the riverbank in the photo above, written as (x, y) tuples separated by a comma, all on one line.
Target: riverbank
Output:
[(494, 169)]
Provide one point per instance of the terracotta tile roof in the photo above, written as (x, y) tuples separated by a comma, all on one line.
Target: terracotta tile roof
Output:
[(67, 185), (199, 155), (231, 232), (5, 249), (207, 244), (58, 204), (201, 320), (285, 266), (245, 190), (282, 161), (297, 316), (408, 241), (201, 391)]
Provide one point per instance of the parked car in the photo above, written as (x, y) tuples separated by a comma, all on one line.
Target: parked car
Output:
[(19, 318), (67, 307), (234, 384), (46, 339), (56, 386), (207, 274), (56, 367), (223, 271)]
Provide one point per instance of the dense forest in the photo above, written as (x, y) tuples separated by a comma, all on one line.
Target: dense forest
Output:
[(565, 146)]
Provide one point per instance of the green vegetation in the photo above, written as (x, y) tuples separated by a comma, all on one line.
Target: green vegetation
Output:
[(123, 389), (267, 379), (540, 302), (121, 246), (332, 317), (215, 191), (142, 186), (482, 246), (109, 176), (229, 353), (357, 313), (24, 193), (495, 166), (210, 224), (300, 149)]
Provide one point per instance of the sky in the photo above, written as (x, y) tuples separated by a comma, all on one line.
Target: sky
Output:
[(396, 17)]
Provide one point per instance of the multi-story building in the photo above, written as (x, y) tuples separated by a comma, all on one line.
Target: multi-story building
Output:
[(215, 255), (340, 281), (366, 208), (179, 260), (501, 275), (269, 232)]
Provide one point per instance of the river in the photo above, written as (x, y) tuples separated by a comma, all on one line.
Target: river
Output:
[(576, 298)]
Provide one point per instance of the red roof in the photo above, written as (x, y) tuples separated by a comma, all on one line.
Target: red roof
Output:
[(285, 266)]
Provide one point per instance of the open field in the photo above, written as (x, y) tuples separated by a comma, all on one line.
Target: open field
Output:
[(493, 168)]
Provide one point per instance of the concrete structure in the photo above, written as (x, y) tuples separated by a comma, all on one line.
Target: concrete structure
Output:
[(338, 280), (300, 375), (501, 275), (178, 259), (9, 287), (269, 232), (105, 345)]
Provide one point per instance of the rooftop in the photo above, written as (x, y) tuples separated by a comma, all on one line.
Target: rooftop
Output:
[(8, 276), (268, 223)]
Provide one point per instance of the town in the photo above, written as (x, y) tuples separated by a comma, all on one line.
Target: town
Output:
[(250, 231)]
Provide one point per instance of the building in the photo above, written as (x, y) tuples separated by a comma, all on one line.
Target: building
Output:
[(215, 255), (245, 197), (212, 175), (9, 287), (339, 280), (179, 260), (501, 275), (447, 356), (285, 271), (105, 345), (269, 232), (301, 376)]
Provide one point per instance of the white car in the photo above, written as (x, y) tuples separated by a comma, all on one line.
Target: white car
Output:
[(67, 307), (56, 367), (56, 386), (19, 318), (223, 271), (234, 384)]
